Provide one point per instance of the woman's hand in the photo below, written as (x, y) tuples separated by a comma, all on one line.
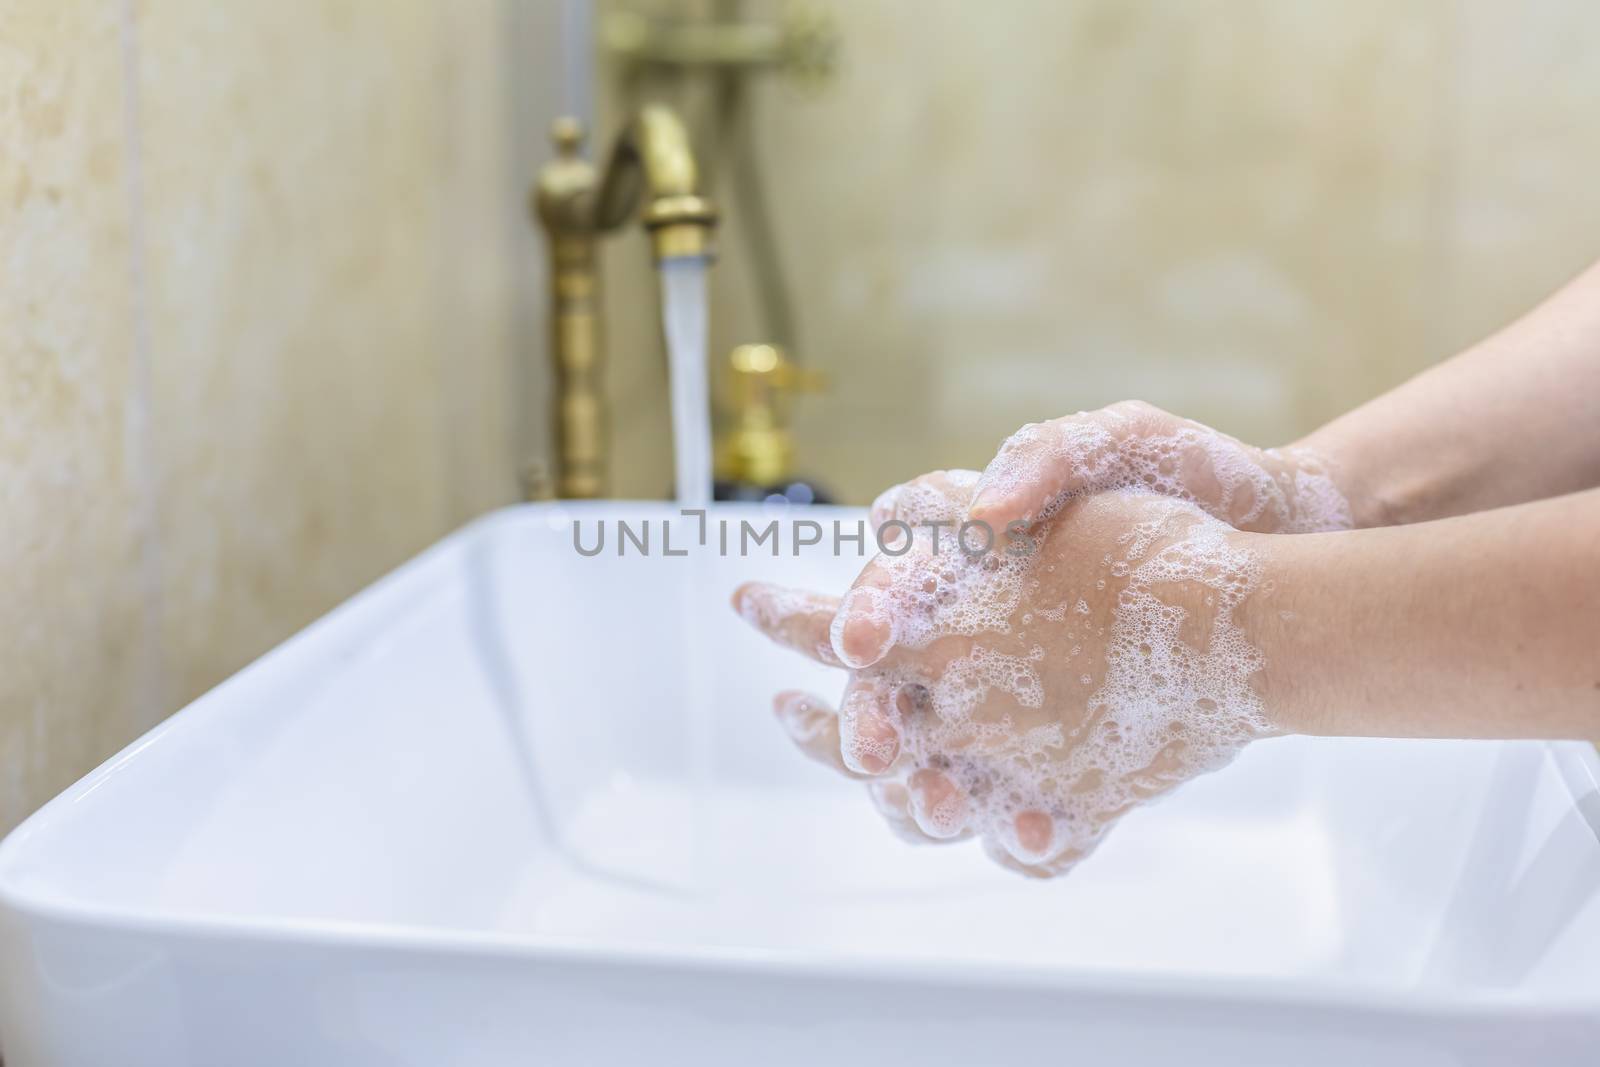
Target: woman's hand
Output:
[(1135, 445), (1032, 693)]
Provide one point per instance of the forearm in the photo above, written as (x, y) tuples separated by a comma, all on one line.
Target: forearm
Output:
[(1514, 418), (1483, 625)]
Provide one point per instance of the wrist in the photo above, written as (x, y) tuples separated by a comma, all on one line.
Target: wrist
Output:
[(1396, 482), (1280, 618), (1371, 502)]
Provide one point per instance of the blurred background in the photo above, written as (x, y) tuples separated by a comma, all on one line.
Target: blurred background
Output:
[(1255, 214), (273, 309)]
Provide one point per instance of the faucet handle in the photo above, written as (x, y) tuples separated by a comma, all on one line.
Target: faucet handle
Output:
[(567, 134), (563, 195), (758, 448), (767, 367)]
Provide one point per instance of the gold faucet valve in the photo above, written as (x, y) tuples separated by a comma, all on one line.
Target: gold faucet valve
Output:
[(758, 448)]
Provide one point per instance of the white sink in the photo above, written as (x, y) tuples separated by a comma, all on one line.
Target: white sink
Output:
[(457, 822)]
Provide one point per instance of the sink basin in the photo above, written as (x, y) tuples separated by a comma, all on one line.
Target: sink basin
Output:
[(514, 804)]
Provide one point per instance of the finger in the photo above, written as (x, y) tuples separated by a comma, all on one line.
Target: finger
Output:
[(866, 626), (940, 496), (1033, 832), (869, 728), (1033, 843), (1052, 868), (999, 854), (863, 630), (1034, 466), (813, 726), (893, 801), (1036, 845), (896, 593), (793, 618), (1042, 462), (890, 604), (939, 806)]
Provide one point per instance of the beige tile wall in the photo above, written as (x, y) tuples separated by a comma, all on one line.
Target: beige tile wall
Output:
[(71, 529), (1257, 214), (267, 294)]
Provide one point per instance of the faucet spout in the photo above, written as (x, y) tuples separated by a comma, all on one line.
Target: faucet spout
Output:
[(653, 163)]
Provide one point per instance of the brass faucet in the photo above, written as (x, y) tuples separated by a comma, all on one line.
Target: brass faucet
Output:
[(651, 166)]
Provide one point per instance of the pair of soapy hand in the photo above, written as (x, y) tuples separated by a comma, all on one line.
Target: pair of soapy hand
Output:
[(1033, 693)]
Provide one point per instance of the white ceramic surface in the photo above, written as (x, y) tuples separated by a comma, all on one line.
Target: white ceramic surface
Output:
[(470, 819)]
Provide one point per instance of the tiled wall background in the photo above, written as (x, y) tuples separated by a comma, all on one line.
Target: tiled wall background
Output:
[(266, 293), (1255, 213)]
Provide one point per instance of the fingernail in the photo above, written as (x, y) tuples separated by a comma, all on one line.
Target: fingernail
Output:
[(1035, 831), (863, 630), (869, 740), (938, 806)]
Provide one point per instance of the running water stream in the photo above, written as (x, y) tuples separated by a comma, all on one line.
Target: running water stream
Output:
[(683, 311)]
